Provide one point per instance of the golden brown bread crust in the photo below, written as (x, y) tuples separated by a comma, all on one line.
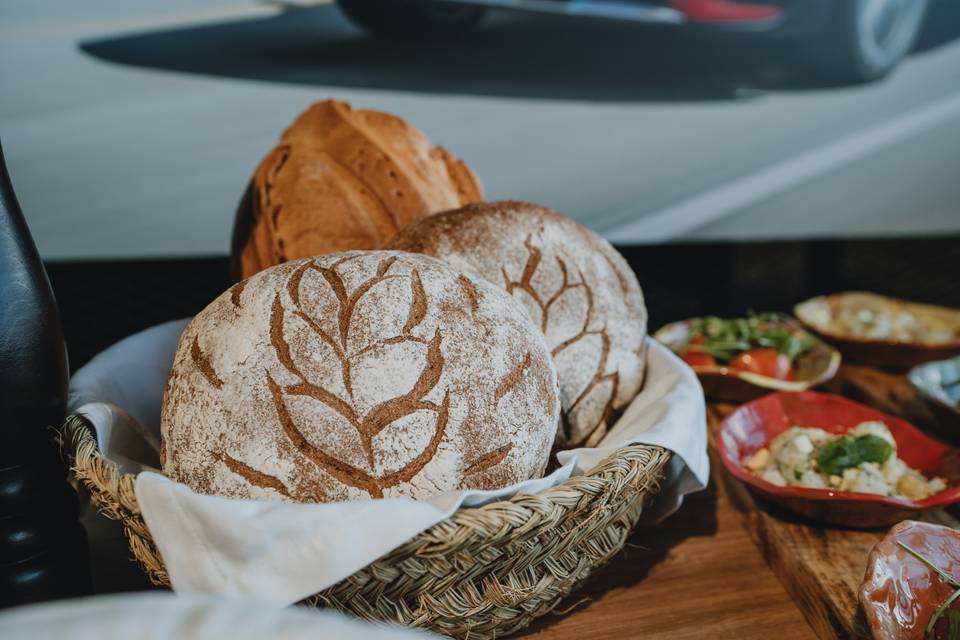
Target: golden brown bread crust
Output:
[(577, 288), (342, 179)]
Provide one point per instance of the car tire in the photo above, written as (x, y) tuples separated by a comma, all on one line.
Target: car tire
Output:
[(412, 19), (865, 39)]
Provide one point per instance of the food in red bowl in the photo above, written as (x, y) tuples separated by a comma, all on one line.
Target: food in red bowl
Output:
[(738, 359), (910, 590), (859, 467)]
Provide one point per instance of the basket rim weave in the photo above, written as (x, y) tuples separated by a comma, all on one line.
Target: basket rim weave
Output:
[(484, 572)]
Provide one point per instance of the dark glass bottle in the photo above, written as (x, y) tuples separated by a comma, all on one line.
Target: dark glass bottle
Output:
[(43, 547)]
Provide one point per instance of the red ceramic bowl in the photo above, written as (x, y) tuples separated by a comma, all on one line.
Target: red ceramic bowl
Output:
[(755, 424)]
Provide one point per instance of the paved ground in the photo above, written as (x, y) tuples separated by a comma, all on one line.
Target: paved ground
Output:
[(131, 128)]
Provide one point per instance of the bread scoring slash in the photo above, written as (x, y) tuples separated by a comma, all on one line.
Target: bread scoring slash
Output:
[(359, 375), (577, 288)]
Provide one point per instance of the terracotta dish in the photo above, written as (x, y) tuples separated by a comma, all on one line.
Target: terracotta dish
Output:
[(900, 593), (824, 316), (814, 367), (754, 425)]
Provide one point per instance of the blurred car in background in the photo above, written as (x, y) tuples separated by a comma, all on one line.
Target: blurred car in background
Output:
[(844, 40)]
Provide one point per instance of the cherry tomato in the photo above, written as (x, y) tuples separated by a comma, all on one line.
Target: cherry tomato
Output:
[(766, 362), (697, 339), (699, 359)]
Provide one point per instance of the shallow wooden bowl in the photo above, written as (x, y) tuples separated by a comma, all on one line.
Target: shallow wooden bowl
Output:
[(814, 367), (890, 354)]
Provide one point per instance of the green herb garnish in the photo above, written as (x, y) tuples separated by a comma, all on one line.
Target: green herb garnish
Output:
[(725, 338), (846, 452), (953, 619)]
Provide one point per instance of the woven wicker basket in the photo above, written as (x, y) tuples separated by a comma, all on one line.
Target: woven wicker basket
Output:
[(485, 572)]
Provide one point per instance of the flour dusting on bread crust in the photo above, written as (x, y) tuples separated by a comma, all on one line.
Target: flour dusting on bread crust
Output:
[(576, 287), (359, 375)]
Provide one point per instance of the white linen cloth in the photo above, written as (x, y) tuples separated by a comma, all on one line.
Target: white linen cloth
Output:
[(282, 552), (158, 615)]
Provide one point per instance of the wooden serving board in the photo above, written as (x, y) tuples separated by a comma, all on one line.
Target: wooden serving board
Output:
[(821, 566)]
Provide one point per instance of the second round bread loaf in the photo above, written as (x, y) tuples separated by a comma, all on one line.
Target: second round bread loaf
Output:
[(577, 288)]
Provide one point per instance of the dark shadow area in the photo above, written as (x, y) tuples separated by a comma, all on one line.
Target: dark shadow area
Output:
[(102, 302), (114, 568), (941, 26), (511, 55)]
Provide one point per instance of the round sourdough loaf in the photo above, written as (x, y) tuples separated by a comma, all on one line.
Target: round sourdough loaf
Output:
[(358, 375), (577, 288), (342, 179)]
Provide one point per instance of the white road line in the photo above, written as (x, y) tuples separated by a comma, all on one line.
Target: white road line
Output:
[(712, 205)]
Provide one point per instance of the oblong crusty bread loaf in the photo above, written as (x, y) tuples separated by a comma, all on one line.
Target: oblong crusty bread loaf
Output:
[(357, 375), (577, 288), (342, 179)]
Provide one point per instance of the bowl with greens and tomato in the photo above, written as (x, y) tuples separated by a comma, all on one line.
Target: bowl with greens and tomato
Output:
[(739, 359)]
